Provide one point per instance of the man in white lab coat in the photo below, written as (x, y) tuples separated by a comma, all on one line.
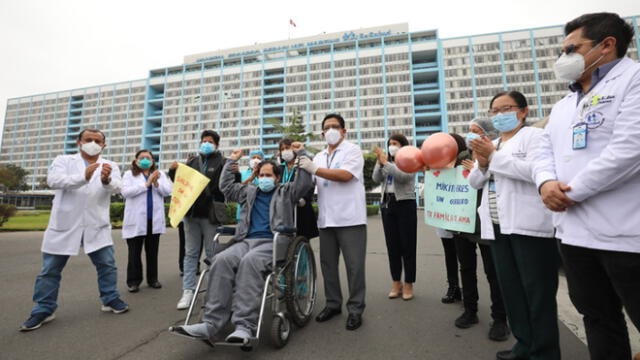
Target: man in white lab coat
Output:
[(587, 169), (84, 183)]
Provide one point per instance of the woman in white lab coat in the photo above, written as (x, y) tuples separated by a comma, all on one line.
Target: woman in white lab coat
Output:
[(144, 188), (513, 215)]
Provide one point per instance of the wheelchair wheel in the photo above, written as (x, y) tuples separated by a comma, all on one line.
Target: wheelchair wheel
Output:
[(280, 331), (300, 277)]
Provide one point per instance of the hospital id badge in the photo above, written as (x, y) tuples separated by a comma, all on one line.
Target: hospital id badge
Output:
[(580, 136)]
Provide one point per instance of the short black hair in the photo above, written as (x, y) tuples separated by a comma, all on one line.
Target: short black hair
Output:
[(104, 138), (598, 26), (285, 141), (334, 116), (276, 168), (214, 135)]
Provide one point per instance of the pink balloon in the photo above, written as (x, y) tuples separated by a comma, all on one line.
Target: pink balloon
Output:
[(409, 159), (439, 150)]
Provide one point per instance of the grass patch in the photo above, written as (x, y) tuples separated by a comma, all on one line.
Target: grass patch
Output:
[(34, 220), (27, 220)]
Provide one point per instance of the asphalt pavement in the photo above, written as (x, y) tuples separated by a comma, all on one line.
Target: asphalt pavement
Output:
[(392, 329)]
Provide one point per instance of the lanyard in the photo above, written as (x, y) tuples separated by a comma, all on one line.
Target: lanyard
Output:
[(287, 175), (329, 161)]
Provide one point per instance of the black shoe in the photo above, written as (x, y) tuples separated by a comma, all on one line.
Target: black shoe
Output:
[(452, 295), (155, 284), (507, 355), (354, 321), (133, 288), (499, 331), (467, 319), (327, 313)]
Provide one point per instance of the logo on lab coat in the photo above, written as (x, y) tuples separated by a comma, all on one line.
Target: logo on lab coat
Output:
[(594, 119)]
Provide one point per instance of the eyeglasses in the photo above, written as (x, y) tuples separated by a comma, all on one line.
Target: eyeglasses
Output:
[(502, 109), (332, 126), (572, 48)]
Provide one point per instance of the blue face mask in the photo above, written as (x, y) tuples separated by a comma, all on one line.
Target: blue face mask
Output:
[(505, 122), (266, 184), (470, 137), (207, 148), (145, 163)]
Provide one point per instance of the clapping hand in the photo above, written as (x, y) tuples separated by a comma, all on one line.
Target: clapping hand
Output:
[(88, 172), (382, 157), (483, 147), (105, 174), (153, 179)]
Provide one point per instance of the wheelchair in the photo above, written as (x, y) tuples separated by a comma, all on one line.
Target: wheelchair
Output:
[(290, 286)]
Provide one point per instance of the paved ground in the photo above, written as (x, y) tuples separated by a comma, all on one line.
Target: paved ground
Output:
[(393, 329)]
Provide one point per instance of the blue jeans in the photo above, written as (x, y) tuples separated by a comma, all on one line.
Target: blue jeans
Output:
[(45, 294), (196, 229)]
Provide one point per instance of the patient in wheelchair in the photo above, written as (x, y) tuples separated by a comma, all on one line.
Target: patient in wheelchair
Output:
[(236, 278)]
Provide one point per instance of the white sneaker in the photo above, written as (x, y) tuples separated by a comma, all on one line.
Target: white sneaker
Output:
[(185, 300)]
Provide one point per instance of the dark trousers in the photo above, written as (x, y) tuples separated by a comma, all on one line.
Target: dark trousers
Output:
[(600, 284), (527, 269), (181, 249), (351, 241), (400, 222), (466, 250), (134, 267), (451, 261)]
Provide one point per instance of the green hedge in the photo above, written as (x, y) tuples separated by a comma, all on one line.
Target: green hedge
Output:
[(116, 212), (43, 207)]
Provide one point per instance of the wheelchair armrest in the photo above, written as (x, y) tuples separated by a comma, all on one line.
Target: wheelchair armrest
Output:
[(286, 230), (226, 230)]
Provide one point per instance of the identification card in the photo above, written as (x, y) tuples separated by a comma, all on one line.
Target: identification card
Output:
[(580, 136)]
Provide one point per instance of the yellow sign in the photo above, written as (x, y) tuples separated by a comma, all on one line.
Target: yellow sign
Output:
[(187, 186)]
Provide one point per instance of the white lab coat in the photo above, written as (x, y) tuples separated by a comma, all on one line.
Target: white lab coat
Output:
[(520, 209), (134, 192), (605, 176), (80, 212)]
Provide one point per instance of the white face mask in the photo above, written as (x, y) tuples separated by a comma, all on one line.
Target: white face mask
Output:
[(91, 148), (393, 150), (287, 155), (571, 67), (332, 136), (254, 162)]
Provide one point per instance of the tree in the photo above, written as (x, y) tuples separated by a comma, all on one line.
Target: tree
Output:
[(293, 129), (6, 211), (42, 183), (13, 177), (370, 160)]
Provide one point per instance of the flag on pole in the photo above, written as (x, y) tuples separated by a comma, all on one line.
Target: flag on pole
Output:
[(292, 23)]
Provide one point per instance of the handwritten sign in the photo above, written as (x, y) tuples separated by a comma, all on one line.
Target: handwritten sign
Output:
[(449, 200), (187, 186)]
